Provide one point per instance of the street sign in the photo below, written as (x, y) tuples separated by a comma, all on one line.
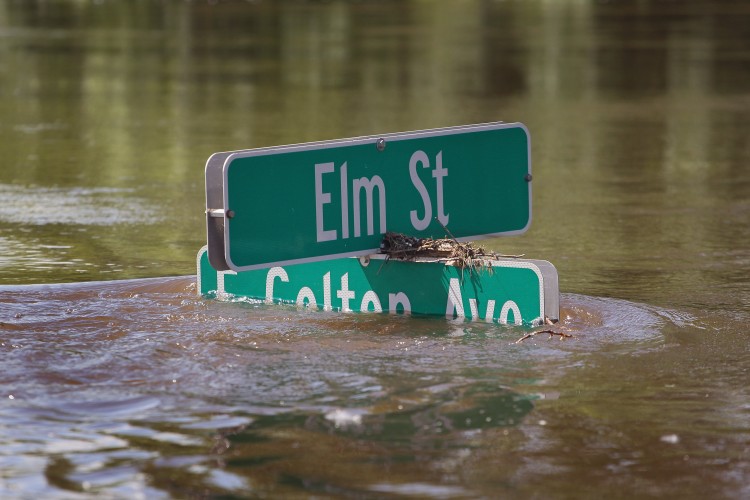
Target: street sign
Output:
[(310, 202), (512, 291)]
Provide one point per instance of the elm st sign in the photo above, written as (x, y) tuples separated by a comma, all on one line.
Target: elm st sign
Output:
[(310, 202)]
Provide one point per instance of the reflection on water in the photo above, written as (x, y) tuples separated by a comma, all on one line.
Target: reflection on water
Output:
[(49, 223), (72, 206), (638, 113)]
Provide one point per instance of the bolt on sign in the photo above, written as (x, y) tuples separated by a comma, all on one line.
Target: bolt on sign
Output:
[(286, 205), (506, 291)]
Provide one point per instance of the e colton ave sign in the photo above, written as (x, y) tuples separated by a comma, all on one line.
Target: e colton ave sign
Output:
[(507, 291)]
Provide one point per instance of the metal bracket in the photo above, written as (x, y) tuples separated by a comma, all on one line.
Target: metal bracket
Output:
[(219, 212)]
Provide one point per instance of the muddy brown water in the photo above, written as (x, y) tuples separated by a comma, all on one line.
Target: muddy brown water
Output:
[(118, 381)]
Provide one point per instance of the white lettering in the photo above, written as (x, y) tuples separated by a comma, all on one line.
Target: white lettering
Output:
[(416, 222), (306, 293), (273, 273), (345, 294), (490, 311), (368, 298), (510, 306), (396, 299), (438, 174), (220, 287), (368, 185), (327, 291), (455, 304), (321, 199), (344, 202), (473, 309)]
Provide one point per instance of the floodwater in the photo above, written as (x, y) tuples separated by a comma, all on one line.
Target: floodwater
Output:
[(118, 381)]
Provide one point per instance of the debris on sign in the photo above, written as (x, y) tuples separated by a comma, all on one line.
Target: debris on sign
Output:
[(449, 250)]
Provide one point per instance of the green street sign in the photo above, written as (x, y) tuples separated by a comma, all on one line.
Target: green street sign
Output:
[(511, 291), (309, 202)]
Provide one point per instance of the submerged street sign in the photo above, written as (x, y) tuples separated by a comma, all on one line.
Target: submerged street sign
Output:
[(513, 291), (310, 202)]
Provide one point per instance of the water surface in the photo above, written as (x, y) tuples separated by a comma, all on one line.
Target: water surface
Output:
[(117, 380)]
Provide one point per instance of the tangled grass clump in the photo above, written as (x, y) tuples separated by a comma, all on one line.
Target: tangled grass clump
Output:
[(449, 250)]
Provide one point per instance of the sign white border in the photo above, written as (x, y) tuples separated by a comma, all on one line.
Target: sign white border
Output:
[(549, 293), (230, 156)]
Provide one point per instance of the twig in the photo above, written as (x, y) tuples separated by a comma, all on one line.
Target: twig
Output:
[(447, 231), (462, 259), (551, 333)]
